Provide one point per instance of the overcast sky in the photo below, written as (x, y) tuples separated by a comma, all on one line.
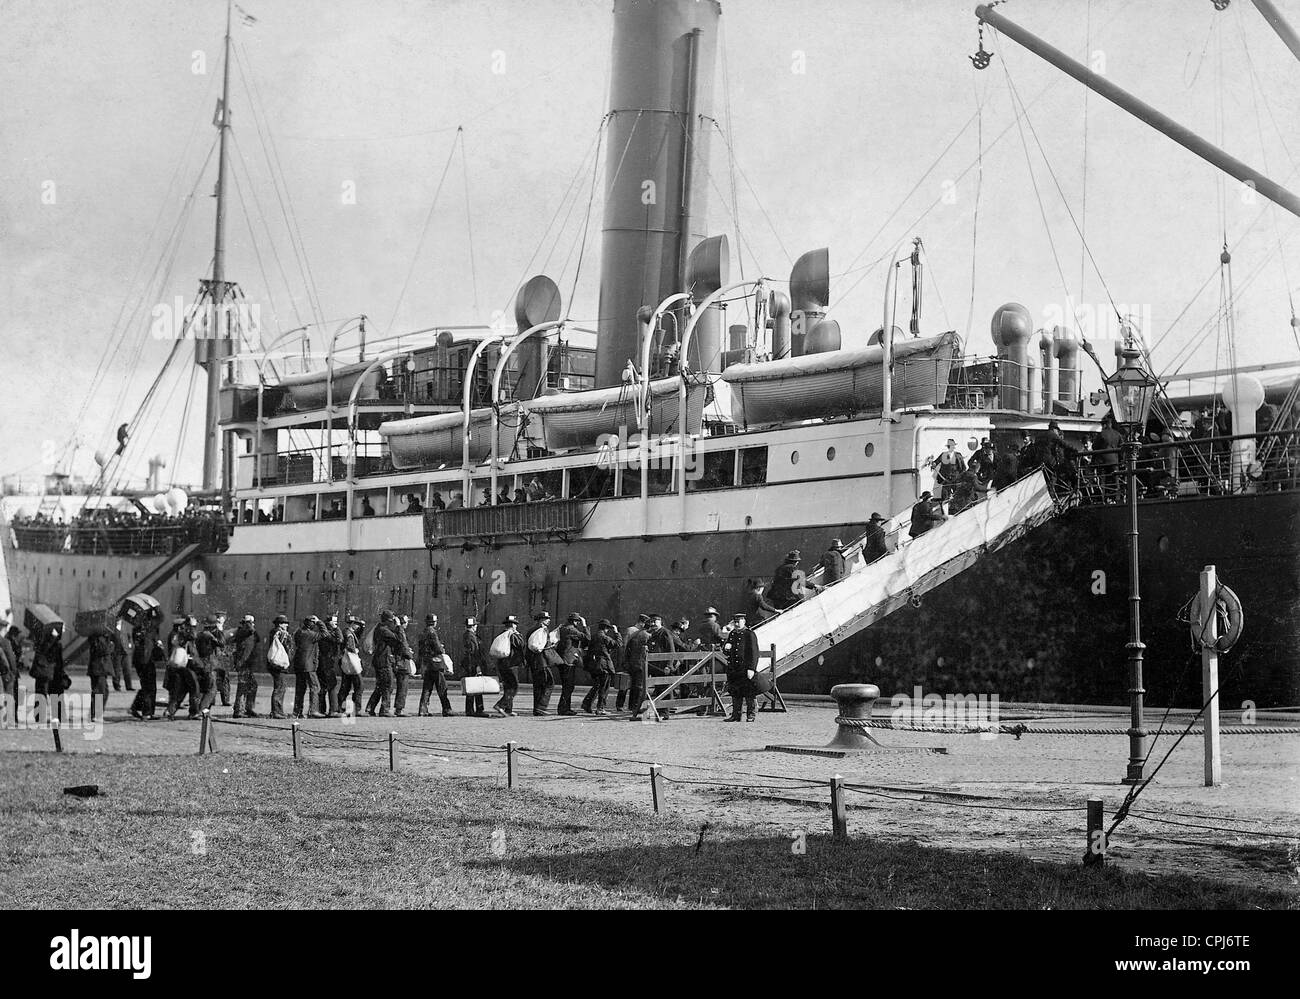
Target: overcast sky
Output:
[(837, 108)]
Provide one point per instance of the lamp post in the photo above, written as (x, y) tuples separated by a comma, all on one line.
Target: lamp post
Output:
[(1131, 389)]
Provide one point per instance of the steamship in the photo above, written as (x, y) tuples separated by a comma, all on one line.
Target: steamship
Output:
[(665, 458)]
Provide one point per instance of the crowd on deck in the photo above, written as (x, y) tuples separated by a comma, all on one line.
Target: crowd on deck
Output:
[(110, 531)]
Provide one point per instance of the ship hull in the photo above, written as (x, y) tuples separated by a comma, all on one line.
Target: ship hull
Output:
[(1045, 618)]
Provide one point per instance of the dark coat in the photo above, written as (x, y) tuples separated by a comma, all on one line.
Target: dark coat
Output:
[(8, 664), (601, 652), (834, 565), (286, 639), (331, 647), (741, 650), (875, 545), (573, 642), (472, 658), (787, 587), (757, 607), (710, 634), (390, 645), (248, 643), (101, 649), (306, 653), (430, 650)]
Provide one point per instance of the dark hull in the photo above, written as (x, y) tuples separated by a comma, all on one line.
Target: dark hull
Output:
[(1045, 618)]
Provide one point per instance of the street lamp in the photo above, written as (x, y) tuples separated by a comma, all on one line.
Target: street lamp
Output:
[(1131, 389)]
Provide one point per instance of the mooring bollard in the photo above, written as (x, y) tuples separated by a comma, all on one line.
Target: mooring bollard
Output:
[(855, 701), (656, 792), (203, 731), (510, 765), (392, 752), (1095, 852), (58, 739), (297, 746), (839, 818)]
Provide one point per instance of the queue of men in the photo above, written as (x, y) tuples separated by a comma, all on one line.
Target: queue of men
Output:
[(196, 664)]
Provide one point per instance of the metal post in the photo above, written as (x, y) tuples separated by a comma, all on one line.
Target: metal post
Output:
[(203, 731), (392, 751), (839, 818), (1136, 734), (510, 764), (297, 745), (655, 793), (1094, 853), (1209, 632)]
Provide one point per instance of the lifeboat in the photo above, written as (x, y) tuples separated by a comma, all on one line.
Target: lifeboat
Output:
[(840, 382), (578, 419), (438, 439), (310, 390)]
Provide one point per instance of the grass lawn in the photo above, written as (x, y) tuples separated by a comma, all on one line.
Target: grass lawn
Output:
[(235, 831)]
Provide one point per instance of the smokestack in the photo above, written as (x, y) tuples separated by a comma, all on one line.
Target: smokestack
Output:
[(655, 208)]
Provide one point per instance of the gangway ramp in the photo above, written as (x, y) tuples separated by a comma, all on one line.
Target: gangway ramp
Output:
[(173, 563), (869, 592)]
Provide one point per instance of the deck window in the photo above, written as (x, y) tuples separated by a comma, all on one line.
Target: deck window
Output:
[(753, 466), (717, 471)]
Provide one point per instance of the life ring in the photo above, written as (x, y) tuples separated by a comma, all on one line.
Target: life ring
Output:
[(1229, 606)]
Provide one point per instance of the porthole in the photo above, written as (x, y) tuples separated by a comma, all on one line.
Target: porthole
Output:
[(735, 564), (291, 577), (352, 574), (631, 566), (1163, 543), (245, 577), (590, 568), (379, 575), (704, 566), (481, 571), (528, 571), (869, 450), (564, 568), (794, 457), (308, 576), (673, 568), (830, 454), (415, 573), (268, 577)]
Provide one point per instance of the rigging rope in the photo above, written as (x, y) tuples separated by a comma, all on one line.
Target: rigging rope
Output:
[(469, 216), (424, 232)]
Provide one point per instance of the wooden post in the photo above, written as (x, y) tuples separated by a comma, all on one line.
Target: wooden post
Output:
[(1209, 631), (1094, 853), (297, 746), (58, 739), (205, 724), (510, 765), (839, 818), (392, 751), (655, 790)]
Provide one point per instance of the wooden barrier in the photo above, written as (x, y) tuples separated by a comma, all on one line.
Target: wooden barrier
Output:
[(773, 699), (708, 667)]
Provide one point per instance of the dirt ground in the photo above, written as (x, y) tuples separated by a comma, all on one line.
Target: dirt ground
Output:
[(955, 790)]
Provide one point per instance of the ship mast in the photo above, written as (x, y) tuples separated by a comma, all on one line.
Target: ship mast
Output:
[(211, 353)]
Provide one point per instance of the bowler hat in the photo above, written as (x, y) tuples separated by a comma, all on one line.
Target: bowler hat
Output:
[(542, 616), (280, 619), (793, 556), (876, 518), (711, 612), (431, 619), (511, 619), (604, 622)]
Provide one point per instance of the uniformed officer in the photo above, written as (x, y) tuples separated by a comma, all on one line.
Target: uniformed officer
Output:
[(430, 653), (573, 641), (248, 646), (741, 650)]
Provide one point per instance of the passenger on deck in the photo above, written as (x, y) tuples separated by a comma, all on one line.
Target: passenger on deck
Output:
[(834, 567), (968, 491), (437, 503), (520, 496), (413, 504), (1106, 443), (1006, 468), (927, 514), (455, 502), (366, 509), (875, 543), (984, 461), (502, 498), (949, 468)]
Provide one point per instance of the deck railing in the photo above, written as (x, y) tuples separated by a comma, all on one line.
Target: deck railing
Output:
[(102, 539)]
